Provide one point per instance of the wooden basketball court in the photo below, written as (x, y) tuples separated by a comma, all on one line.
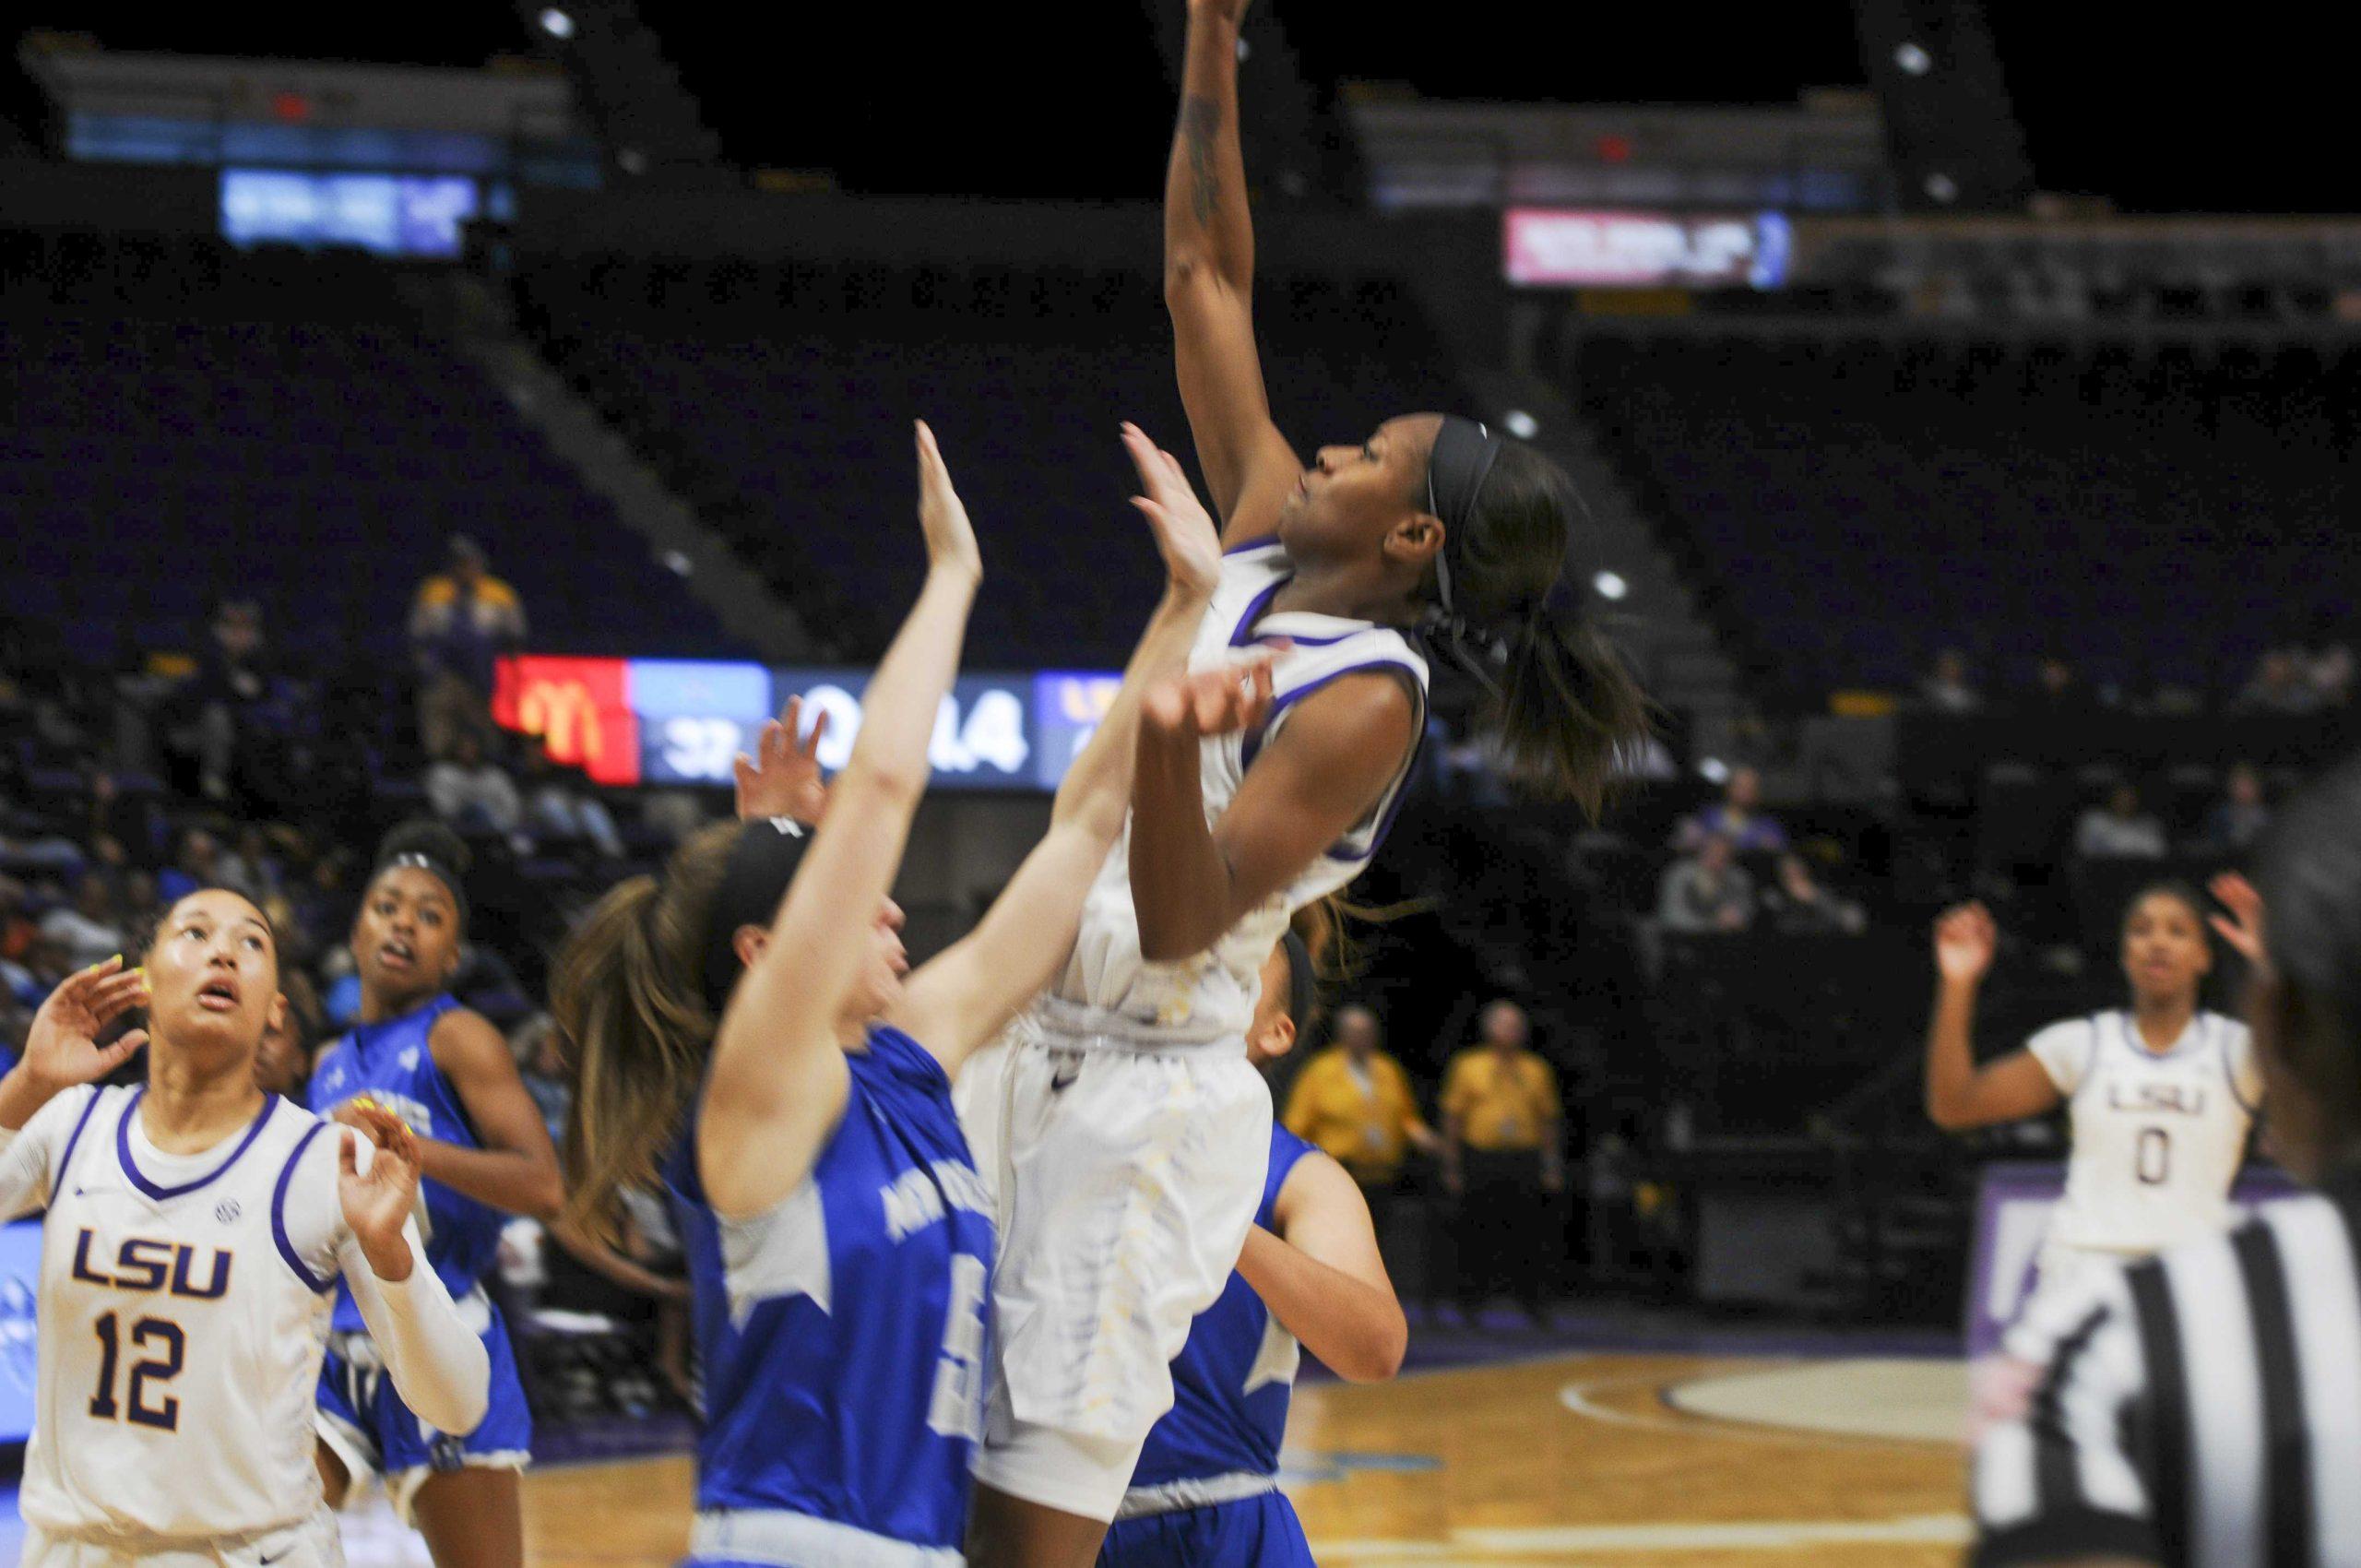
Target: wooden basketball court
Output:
[(1579, 1460)]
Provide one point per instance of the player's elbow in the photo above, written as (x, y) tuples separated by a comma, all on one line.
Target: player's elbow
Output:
[(1194, 278), (545, 1200), (1172, 941), (1376, 1357), (1951, 1112)]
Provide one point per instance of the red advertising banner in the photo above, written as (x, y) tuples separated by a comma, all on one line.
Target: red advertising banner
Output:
[(579, 710)]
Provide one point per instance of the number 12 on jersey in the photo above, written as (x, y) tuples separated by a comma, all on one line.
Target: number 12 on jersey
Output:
[(161, 1367)]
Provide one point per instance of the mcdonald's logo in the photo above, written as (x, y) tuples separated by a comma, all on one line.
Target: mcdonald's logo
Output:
[(578, 709)]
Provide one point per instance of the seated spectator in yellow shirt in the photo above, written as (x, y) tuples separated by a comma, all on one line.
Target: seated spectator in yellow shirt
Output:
[(1501, 1158), (1356, 1102)]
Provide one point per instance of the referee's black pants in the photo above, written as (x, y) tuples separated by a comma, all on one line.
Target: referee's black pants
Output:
[(1503, 1227)]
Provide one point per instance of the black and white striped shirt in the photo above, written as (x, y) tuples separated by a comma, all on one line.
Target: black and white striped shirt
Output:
[(2199, 1411)]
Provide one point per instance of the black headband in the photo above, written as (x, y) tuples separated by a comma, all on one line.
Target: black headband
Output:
[(761, 864), (418, 859), (1462, 455)]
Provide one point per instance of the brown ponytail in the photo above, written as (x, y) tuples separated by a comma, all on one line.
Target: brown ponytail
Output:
[(1561, 698), (632, 1016)]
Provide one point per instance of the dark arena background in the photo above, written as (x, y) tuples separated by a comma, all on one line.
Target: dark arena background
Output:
[(1963, 405)]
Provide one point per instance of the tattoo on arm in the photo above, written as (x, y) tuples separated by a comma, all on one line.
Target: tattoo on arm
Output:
[(1200, 122)]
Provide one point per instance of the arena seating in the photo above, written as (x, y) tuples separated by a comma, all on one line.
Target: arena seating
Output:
[(779, 398), (2157, 517), (187, 424)]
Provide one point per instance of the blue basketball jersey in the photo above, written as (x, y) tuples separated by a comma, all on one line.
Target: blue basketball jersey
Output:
[(391, 1063), (1232, 1380), (843, 1331)]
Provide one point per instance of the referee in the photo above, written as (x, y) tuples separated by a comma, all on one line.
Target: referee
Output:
[(2204, 1407)]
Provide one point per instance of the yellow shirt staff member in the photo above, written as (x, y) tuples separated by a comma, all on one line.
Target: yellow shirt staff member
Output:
[(1356, 1103), (1499, 1098)]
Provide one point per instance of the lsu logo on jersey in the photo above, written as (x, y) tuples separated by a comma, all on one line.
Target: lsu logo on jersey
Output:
[(150, 1266), (2171, 1100)]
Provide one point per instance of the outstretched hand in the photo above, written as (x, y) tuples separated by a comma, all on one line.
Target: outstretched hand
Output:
[(61, 1049), (1965, 940), (1185, 534), (783, 778), (2242, 927), (950, 537), (1212, 702), (378, 1202)]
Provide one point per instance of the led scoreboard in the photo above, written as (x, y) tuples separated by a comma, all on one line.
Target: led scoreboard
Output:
[(683, 721)]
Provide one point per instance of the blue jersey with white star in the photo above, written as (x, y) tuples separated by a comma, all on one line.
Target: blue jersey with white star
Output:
[(1232, 1380), (393, 1063), (843, 1330)]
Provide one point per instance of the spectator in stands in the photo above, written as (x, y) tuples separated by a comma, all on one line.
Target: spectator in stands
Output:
[(2239, 817), (1800, 906), (2058, 693), (563, 809), (2282, 684), (1355, 1102), (44, 968), (461, 622), (19, 931), (1738, 816), (1706, 891), (541, 1064), (1501, 1157), (250, 866), (2328, 659), (200, 864), (1946, 687), (231, 680), (88, 931), (138, 903), (2121, 829), (473, 793)]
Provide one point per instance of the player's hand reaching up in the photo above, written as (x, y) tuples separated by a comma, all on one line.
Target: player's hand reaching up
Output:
[(1211, 702), (63, 1049), (2242, 927), (782, 779), (1965, 940), (377, 1202), (1185, 535), (950, 537)]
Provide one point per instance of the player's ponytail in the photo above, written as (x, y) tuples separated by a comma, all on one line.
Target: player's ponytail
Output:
[(634, 1023), (1557, 695)]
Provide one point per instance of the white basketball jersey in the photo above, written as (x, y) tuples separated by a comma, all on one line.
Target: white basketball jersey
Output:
[(183, 1310), (2158, 1135), (1213, 995)]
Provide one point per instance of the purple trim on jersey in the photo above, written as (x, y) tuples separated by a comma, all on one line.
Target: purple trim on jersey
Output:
[(1268, 542), (1243, 633), (1393, 806), (1340, 850), (2229, 1073), (278, 1214), (123, 1149), (74, 1139)]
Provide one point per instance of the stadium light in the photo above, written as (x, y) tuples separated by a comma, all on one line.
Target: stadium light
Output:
[(557, 24), (677, 562), (1912, 59), (1942, 187), (1610, 584), (1521, 426), (1714, 771)]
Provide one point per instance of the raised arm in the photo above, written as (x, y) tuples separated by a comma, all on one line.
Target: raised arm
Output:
[(61, 1052), (1321, 1274), (964, 996), (514, 1166), (1318, 776), (1960, 1094), (777, 1083), (1209, 287)]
